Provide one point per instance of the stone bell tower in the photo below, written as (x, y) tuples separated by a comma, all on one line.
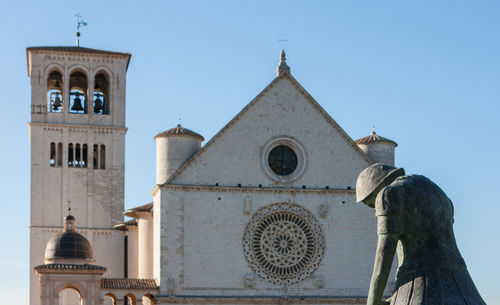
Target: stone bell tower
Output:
[(77, 134)]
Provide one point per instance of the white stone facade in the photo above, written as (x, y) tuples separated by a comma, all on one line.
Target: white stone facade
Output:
[(200, 214), (190, 240)]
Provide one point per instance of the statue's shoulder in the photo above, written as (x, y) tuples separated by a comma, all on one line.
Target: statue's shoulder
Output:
[(415, 187), (412, 181)]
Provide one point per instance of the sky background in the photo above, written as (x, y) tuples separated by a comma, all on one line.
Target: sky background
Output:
[(426, 73)]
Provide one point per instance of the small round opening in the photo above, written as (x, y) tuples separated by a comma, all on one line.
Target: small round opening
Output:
[(282, 160)]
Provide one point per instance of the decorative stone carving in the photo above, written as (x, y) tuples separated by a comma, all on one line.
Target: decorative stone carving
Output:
[(283, 243), (250, 280), (323, 210)]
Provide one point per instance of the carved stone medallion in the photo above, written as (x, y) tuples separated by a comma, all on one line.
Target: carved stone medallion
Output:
[(283, 243)]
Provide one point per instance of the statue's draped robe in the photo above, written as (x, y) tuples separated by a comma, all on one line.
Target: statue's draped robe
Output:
[(431, 270)]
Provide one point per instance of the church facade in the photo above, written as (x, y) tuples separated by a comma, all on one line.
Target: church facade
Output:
[(263, 213)]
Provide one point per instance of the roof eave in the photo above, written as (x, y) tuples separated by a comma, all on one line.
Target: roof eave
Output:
[(41, 49)]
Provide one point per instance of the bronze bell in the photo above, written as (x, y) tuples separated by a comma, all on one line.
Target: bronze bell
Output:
[(98, 106), (77, 104), (56, 104)]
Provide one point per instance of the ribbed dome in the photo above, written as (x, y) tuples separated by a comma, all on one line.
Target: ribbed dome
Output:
[(69, 244), (179, 131)]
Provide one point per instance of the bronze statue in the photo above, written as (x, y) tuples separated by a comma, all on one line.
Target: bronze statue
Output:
[(415, 216)]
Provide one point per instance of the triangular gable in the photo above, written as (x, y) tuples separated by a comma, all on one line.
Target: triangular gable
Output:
[(250, 105)]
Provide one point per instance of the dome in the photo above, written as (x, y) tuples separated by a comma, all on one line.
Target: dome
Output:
[(68, 245), (179, 131)]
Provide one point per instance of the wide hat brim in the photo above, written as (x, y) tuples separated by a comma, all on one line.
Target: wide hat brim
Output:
[(374, 177)]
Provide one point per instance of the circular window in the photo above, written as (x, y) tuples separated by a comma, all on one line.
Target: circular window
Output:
[(282, 160), (283, 243)]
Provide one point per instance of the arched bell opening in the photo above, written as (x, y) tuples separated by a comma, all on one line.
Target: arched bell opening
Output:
[(78, 93), (70, 296), (54, 92), (101, 94)]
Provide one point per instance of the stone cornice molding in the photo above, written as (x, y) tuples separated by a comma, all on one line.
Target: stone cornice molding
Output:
[(104, 231), (74, 52), (251, 189), (70, 268), (78, 126)]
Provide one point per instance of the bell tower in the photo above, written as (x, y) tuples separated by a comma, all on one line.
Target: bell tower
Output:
[(77, 134)]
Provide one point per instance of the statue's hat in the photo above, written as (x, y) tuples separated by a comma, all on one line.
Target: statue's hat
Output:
[(375, 177)]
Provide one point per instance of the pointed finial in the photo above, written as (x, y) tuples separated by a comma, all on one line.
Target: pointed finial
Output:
[(178, 122), (373, 129), (69, 221), (283, 67)]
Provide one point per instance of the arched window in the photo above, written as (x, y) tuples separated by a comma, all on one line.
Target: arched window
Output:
[(78, 156), (59, 154), (83, 162), (70, 296), (95, 156), (78, 93), (70, 155), (148, 299), (52, 160), (54, 92), (110, 299), (102, 157), (101, 94), (130, 299)]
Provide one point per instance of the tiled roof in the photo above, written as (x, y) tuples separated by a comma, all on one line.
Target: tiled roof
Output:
[(75, 50), (69, 267), (123, 226), (179, 131), (375, 138), (143, 208), (122, 283)]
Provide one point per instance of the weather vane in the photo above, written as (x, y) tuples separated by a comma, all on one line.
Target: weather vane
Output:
[(80, 23)]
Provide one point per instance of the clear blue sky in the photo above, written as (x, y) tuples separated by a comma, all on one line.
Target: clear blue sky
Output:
[(426, 73)]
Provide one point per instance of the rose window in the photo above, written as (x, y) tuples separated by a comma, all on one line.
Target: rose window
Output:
[(283, 243)]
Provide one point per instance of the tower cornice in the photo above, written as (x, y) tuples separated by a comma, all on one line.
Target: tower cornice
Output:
[(80, 126)]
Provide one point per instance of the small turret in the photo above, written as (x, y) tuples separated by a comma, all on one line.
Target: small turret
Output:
[(173, 148), (378, 149)]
